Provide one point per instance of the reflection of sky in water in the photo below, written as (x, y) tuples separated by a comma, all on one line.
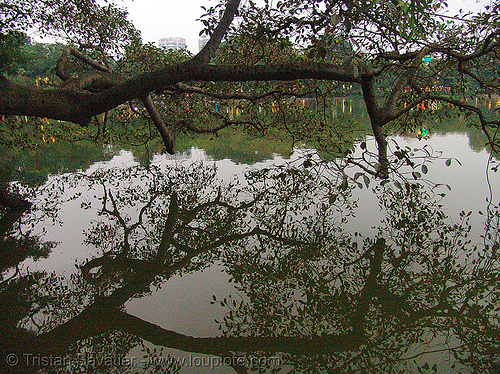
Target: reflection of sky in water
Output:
[(183, 303), (469, 188)]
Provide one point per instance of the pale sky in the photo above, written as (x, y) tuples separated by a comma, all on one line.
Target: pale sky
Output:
[(163, 18)]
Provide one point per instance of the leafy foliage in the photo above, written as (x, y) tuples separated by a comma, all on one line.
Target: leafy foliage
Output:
[(10, 49)]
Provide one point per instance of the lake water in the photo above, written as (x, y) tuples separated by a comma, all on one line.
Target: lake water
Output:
[(210, 262)]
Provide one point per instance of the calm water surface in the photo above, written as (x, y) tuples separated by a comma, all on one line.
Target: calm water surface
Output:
[(281, 265)]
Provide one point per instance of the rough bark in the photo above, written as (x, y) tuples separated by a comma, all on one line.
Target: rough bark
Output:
[(383, 159), (80, 107), (56, 104), (378, 118), (164, 131)]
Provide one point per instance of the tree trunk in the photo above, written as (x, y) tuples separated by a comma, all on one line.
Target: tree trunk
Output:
[(383, 160), (377, 120)]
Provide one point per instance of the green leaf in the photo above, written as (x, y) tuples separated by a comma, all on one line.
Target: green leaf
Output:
[(344, 185), (366, 180), (448, 162), (424, 169), (355, 72)]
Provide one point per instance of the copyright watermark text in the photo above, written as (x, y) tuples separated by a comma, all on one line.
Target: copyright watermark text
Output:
[(90, 360)]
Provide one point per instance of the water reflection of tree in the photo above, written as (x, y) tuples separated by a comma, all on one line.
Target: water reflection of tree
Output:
[(418, 281), (321, 298), (15, 244)]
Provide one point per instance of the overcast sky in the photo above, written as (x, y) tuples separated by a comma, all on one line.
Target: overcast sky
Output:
[(163, 18)]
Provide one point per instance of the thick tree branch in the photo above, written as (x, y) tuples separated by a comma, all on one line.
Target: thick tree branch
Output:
[(396, 56), (93, 81), (164, 131), (403, 81), (189, 71), (55, 104), (372, 104), (61, 67), (222, 345), (79, 107), (208, 51)]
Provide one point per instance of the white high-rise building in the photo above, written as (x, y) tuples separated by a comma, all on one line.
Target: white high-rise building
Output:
[(172, 43), (202, 41)]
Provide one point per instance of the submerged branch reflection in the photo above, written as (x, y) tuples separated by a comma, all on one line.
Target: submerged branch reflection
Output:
[(319, 297)]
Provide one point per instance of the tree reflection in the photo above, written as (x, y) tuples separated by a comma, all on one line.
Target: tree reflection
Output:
[(418, 283), (319, 297), (15, 246)]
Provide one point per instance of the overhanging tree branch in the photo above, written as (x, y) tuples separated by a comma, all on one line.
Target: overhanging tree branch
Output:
[(80, 107), (164, 131), (403, 81), (182, 87), (208, 51)]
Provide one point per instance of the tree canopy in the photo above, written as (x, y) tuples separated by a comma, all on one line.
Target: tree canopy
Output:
[(319, 296), (260, 56)]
